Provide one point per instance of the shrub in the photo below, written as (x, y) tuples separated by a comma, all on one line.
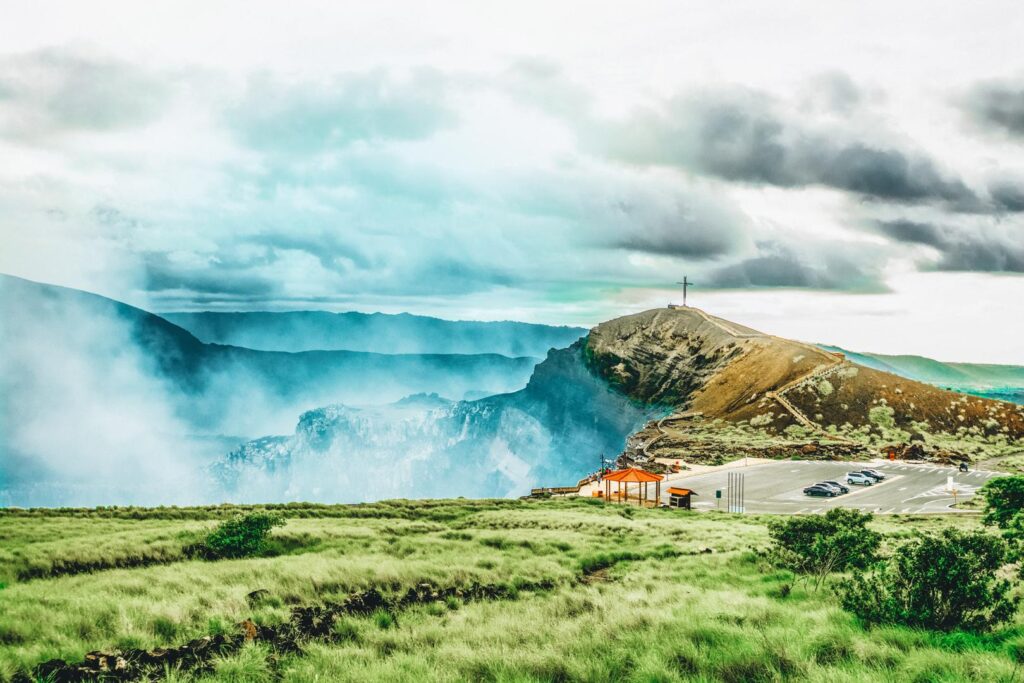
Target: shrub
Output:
[(242, 536), (1004, 499), (819, 545), (945, 582), (883, 416), (384, 619), (595, 563), (1004, 508)]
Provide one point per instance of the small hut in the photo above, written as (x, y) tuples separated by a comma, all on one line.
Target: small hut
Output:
[(679, 497), (632, 475)]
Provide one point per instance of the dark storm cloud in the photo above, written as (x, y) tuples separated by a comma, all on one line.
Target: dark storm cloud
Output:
[(677, 230), (779, 266), (64, 90), (745, 136), (615, 210), (916, 233), (295, 119), (216, 276), (991, 248), (1008, 195), (162, 276), (998, 104)]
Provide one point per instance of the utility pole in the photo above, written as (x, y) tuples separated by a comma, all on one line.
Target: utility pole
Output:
[(686, 284)]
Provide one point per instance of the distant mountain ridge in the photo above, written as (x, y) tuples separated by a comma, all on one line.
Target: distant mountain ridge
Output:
[(373, 332), (309, 378), (922, 369)]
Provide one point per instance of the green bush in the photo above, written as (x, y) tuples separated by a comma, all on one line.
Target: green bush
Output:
[(945, 583), (883, 416), (1004, 508), (243, 536), (817, 545), (384, 619), (1004, 499)]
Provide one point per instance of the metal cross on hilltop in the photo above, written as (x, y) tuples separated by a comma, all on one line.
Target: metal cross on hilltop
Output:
[(685, 283)]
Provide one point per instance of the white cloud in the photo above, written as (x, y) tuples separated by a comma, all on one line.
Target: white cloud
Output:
[(383, 158)]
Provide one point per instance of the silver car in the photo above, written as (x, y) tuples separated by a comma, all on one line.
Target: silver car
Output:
[(859, 478)]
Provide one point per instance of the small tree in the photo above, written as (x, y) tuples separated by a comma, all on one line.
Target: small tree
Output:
[(943, 582), (1004, 508), (1004, 498), (243, 535), (817, 545)]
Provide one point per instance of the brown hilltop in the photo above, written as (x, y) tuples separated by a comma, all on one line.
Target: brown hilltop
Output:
[(726, 382)]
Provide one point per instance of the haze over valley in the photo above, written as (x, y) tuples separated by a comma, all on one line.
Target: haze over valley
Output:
[(119, 406)]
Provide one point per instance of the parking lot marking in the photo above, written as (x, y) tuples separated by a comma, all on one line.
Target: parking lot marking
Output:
[(919, 489)]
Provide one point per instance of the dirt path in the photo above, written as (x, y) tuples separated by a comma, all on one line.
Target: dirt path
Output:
[(726, 327), (821, 372), (659, 426)]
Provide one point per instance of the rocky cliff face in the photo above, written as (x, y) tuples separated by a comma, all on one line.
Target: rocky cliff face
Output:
[(662, 356), (554, 430)]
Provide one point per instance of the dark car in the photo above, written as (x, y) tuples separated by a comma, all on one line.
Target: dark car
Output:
[(818, 490), (874, 474), (837, 485)]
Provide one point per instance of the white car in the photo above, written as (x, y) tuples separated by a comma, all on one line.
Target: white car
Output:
[(859, 478)]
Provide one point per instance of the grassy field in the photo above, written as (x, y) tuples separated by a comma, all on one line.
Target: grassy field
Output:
[(581, 591)]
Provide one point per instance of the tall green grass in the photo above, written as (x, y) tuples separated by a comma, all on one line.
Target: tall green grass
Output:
[(654, 608)]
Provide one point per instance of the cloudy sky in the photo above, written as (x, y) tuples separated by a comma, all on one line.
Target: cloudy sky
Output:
[(841, 172)]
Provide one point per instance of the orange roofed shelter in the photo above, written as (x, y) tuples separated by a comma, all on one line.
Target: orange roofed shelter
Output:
[(632, 475)]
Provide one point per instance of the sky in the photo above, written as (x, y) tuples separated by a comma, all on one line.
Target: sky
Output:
[(846, 172)]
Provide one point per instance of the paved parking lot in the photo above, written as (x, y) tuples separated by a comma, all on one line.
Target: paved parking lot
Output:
[(777, 487)]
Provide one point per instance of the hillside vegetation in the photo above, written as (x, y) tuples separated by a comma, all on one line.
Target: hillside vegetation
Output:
[(457, 590)]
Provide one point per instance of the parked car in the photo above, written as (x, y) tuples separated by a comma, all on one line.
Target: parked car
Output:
[(834, 489), (874, 474), (859, 478), (837, 485), (819, 490)]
